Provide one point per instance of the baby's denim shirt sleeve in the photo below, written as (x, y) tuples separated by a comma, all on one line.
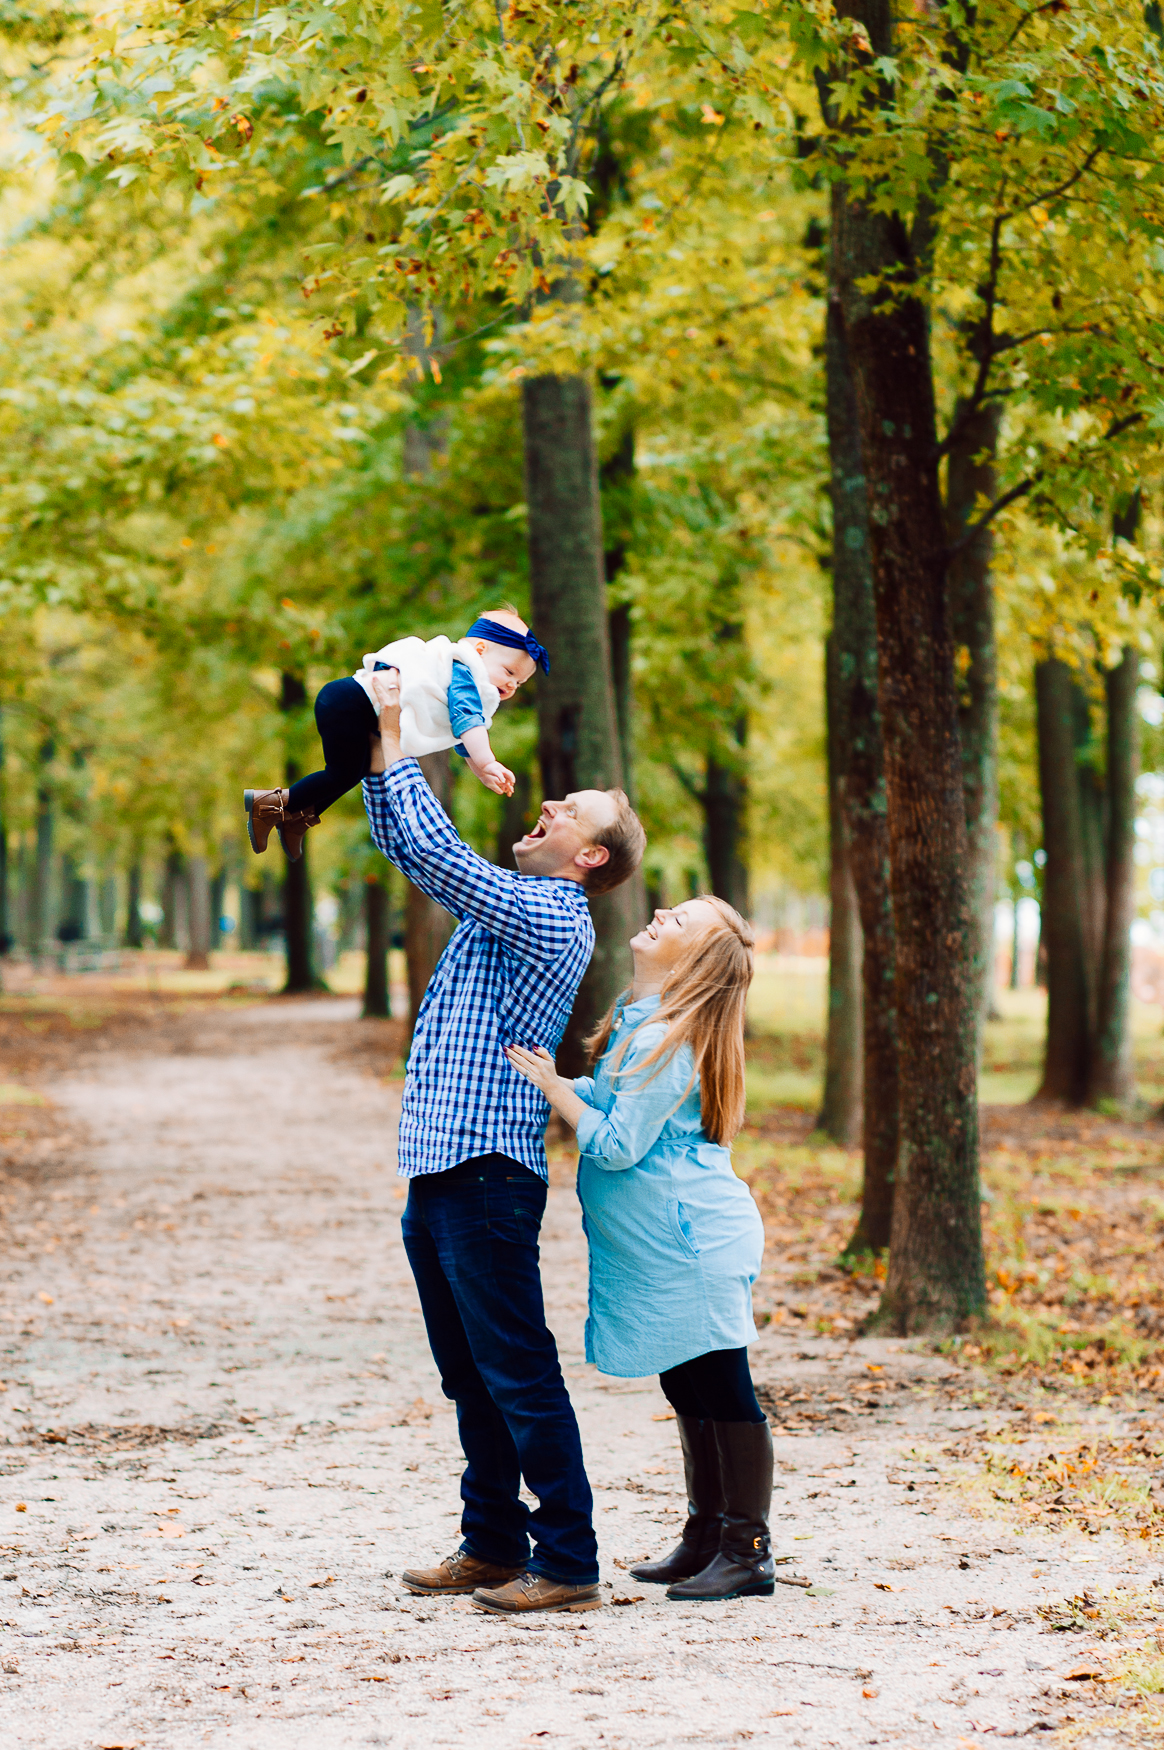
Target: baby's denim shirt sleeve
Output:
[(464, 701)]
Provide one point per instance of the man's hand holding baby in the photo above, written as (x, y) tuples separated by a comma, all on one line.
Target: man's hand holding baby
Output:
[(386, 749)]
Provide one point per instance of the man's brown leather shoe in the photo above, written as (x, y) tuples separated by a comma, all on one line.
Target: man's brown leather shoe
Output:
[(535, 1592), (292, 829), (458, 1573), (264, 810)]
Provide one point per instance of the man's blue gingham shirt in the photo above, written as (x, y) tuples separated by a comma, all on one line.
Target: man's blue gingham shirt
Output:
[(508, 977)]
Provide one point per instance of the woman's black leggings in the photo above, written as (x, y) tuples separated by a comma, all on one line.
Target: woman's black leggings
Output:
[(716, 1387), (346, 719)]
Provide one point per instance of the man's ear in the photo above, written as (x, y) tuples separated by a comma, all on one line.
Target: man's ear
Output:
[(592, 856)]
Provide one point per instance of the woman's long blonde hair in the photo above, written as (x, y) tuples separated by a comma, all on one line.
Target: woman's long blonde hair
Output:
[(702, 1005)]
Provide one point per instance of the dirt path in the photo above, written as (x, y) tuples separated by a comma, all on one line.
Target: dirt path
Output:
[(222, 1429)]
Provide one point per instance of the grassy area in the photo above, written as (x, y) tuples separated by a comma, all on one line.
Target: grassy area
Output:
[(786, 1054)]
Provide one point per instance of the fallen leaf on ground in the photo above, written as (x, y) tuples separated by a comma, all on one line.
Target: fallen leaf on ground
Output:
[(663, 1416), (418, 1411), (870, 1694), (631, 1598), (329, 1580), (883, 1586)]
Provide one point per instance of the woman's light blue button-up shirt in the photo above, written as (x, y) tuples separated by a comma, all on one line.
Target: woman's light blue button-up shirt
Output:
[(675, 1238)]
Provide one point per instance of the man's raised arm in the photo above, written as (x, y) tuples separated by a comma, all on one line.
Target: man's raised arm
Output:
[(412, 829)]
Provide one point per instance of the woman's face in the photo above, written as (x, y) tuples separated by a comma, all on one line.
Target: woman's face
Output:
[(669, 934)]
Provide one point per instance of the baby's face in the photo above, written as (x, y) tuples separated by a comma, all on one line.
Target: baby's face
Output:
[(506, 668)]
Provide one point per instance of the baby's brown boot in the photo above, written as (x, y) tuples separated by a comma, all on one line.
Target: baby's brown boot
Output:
[(292, 829), (264, 810)]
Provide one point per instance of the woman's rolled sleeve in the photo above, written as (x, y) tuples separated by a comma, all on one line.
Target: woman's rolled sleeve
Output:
[(584, 1088), (618, 1139)]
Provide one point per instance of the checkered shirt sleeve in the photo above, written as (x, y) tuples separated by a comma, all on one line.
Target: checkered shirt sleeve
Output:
[(509, 976)]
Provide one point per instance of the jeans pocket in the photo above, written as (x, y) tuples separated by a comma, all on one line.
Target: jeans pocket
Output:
[(514, 1208), (681, 1228)]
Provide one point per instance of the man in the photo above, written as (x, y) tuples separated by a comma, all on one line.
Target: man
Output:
[(471, 1144)]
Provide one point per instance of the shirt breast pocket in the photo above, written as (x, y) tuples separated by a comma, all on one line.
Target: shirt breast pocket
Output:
[(681, 1230)]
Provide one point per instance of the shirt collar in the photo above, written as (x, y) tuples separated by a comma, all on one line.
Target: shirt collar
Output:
[(645, 1006)]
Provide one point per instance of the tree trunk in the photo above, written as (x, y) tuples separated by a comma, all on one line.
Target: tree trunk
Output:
[(1063, 921), (198, 953), (840, 1112), (297, 905), (171, 885), (620, 674), (971, 479), (427, 925), (725, 799), (578, 742), (40, 906), (74, 920), (378, 927), (863, 788), (1112, 1076), (937, 1277), (133, 927)]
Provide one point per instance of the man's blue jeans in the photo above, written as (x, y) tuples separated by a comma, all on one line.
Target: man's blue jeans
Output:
[(471, 1235)]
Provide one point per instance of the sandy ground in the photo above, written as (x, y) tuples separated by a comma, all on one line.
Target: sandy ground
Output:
[(222, 1437)]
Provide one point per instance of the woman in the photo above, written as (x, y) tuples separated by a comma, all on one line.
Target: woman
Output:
[(675, 1238)]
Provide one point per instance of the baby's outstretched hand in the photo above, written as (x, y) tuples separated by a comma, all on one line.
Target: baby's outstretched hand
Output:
[(497, 778)]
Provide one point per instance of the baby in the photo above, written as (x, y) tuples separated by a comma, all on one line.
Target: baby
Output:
[(448, 696)]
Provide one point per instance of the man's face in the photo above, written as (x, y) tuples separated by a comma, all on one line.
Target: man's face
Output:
[(562, 831)]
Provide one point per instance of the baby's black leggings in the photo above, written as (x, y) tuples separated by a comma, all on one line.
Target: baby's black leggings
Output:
[(346, 719), (716, 1387)]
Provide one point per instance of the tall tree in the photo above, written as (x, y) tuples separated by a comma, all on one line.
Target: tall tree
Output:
[(1112, 1075), (841, 1101), (937, 1276), (1063, 731), (198, 951), (297, 906), (971, 485), (578, 740), (378, 940), (855, 721)]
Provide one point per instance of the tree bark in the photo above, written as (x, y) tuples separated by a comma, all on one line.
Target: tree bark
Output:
[(171, 882), (937, 1278), (971, 479), (1063, 921), (578, 741), (427, 925), (725, 802), (40, 899), (198, 953), (378, 929), (863, 787), (1112, 1075), (133, 924), (841, 1102), (297, 903)]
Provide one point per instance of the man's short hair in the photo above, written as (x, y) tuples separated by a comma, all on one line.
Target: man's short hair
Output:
[(626, 841)]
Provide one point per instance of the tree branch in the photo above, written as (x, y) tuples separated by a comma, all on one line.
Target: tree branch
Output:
[(1031, 481)]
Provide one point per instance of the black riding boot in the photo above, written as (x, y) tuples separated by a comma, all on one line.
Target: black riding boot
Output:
[(743, 1567), (704, 1498)]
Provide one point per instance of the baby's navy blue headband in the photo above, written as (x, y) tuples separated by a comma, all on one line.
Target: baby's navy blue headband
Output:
[(499, 634)]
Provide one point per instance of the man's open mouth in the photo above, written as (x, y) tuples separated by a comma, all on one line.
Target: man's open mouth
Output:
[(535, 832)]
